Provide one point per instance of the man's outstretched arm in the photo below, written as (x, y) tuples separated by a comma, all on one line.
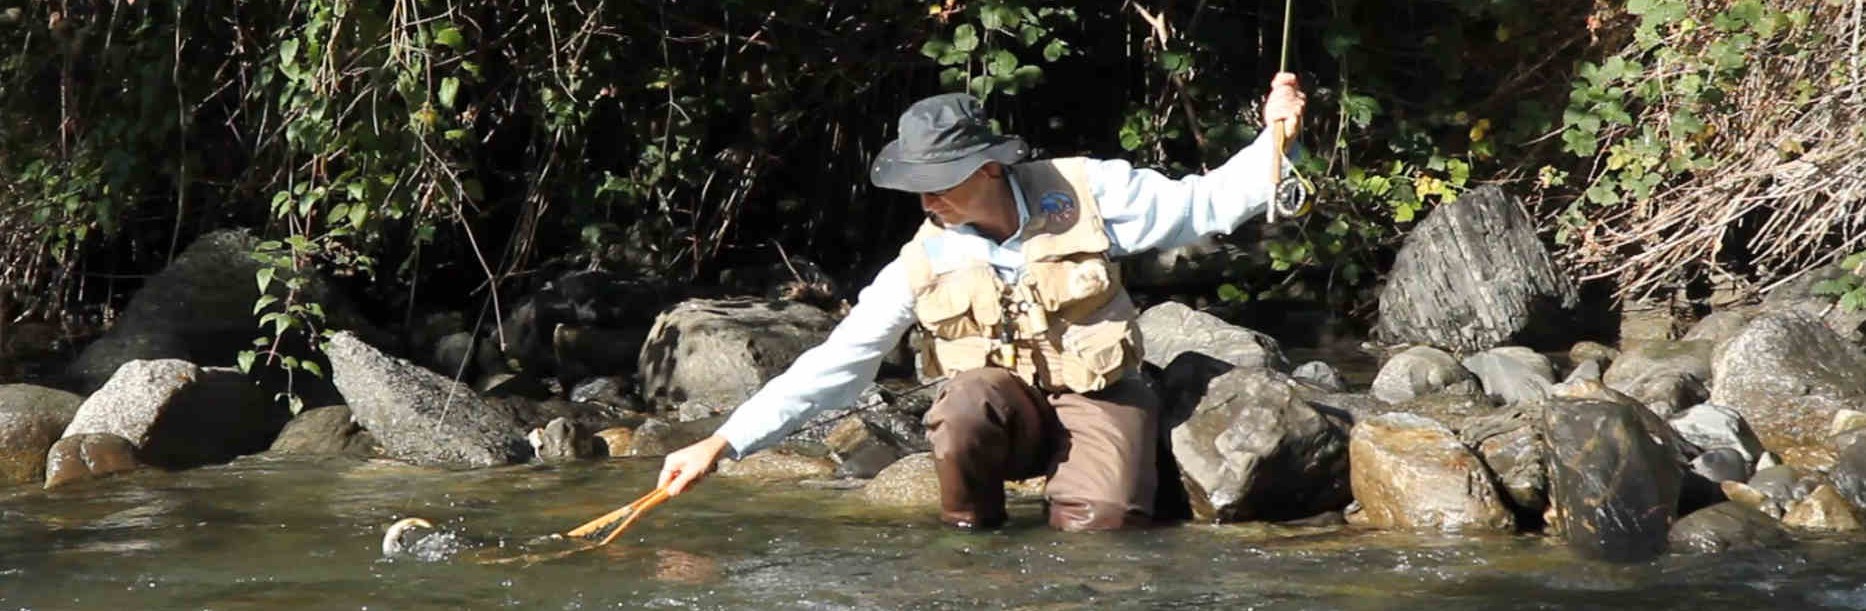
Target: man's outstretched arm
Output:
[(1146, 210), (830, 375)]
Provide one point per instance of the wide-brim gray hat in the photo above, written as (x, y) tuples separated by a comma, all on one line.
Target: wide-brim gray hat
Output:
[(943, 139)]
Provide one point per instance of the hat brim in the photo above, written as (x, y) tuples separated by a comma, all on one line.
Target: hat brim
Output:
[(891, 172)]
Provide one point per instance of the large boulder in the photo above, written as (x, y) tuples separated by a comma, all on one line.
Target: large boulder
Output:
[(1614, 479), (330, 430), (719, 352), (1788, 374), (179, 415), (1664, 375), (1472, 276), (1725, 527), (200, 309), (1253, 448), (1512, 374), (1410, 472), (420, 416), (1423, 370), (32, 418)]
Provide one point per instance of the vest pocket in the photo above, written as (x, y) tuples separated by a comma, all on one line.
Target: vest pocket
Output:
[(1062, 284), (1101, 348), (947, 313)]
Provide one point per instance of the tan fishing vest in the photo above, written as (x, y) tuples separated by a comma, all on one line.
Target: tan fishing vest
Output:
[(1065, 325)]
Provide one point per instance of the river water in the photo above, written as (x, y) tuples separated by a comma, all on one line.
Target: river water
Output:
[(266, 533)]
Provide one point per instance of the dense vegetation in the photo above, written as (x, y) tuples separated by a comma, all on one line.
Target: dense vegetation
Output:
[(439, 151)]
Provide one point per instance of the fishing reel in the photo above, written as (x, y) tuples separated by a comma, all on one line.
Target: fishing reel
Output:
[(1294, 195)]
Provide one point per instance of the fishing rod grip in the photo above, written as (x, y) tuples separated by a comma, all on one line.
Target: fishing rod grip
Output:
[(1277, 139)]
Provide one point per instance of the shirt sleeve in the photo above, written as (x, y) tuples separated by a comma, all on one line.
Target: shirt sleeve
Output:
[(830, 375), (1146, 210)]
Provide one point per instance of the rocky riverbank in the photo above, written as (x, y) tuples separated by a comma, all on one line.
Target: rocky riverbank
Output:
[(1740, 432)]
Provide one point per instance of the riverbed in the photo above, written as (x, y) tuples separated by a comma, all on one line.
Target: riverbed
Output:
[(266, 533)]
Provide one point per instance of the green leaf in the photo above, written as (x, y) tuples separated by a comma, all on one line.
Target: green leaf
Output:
[(450, 87), (965, 38), (450, 36), (245, 360), (288, 53), (358, 214), (935, 49), (1003, 63), (312, 367), (1055, 50), (1832, 287), (264, 300), (264, 276), (1231, 292)]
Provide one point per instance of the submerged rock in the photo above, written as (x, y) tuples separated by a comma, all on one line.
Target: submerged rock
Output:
[(1410, 472), (329, 430), (776, 465), (88, 456), (910, 481), (1726, 527), (1823, 509)]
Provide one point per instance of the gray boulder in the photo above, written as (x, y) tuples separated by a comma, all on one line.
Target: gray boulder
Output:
[(720, 352), (1512, 374), (420, 416), (1709, 426), (1788, 375), (1170, 330), (1727, 527), (1665, 376), (1614, 481), (32, 418), (1253, 449), (200, 309), (1409, 472), (1322, 375), (179, 415), (324, 431), (1474, 275), (1423, 370)]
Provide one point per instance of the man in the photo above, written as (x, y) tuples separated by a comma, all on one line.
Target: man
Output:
[(1011, 279)]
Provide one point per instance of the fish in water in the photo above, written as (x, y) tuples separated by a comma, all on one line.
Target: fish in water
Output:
[(405, 539)]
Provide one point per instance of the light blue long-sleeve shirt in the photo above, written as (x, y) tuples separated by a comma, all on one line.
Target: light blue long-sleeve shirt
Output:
[(1142, 210)]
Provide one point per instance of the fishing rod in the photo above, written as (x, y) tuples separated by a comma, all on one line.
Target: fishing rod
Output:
[(1292, 193)]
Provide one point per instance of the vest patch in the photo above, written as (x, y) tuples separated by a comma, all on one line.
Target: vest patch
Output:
[(1059, 206)]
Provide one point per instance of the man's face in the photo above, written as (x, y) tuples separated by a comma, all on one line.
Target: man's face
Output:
[(966, 202)]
